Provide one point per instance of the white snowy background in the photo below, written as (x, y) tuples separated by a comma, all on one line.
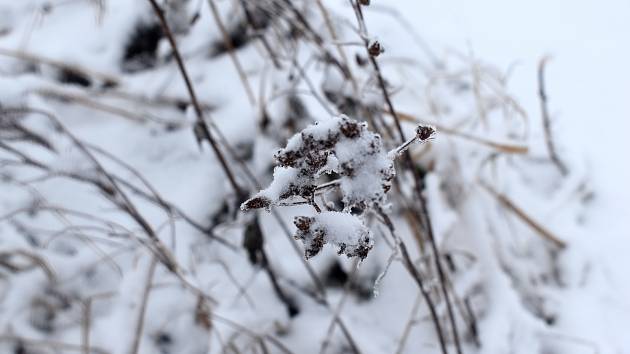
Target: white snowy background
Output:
[(71, 282), (589, 88)]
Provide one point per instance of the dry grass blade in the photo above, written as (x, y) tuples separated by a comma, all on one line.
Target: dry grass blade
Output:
[(335, 38), (201, 130), (152, 101), (518, 211), (37, 261), (85, 327), (230, 48), (84, 101), (553, 154), (135, 345), (50, 344), (108, 79)]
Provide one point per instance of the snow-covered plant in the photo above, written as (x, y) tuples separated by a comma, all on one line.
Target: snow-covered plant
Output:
[(345, 147), (341, 229)]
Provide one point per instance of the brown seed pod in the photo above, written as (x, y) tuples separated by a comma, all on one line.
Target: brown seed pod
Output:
[(375, 48), (424, 132)]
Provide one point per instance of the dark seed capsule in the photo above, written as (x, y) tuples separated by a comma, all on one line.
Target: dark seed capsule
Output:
[(375, 48), (424, 132)]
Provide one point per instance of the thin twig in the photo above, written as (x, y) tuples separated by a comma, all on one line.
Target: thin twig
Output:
[(252, 22), (50, 344), (411, 268), (424, 213), (202, 132), (518, 211), (230, 49), (553, 154), (135, 345), (337, 311), (340, 50), (85, 328), (412, 315), (100, 106), (108, 79)]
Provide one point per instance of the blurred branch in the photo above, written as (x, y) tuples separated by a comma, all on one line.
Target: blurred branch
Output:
[(501, 147), (553, 154), (230, 49), (135, 345), (108, 80), (202, 132), (45, 343), (518, 211)]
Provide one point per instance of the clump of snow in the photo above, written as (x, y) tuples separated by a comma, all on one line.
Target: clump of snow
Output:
[(344, 230)]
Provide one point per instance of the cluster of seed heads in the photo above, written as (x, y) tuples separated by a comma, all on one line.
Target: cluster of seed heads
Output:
[(347, 148), (341, 145)]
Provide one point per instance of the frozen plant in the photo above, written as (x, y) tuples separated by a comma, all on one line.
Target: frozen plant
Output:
[(346, 147)]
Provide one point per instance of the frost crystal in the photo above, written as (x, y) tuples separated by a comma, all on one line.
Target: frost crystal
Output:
[(344, 230)]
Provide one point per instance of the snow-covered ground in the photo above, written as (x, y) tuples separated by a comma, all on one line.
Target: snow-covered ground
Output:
[(77, 262), (588, 83)]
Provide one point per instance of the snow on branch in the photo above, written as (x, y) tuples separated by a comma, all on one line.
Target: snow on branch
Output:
[(346, 147)]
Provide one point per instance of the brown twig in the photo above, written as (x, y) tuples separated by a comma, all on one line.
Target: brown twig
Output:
[(50, 344), (230, 49), (106, 78), (86, 324), (202, 132), (553, 154), (152, 101), (107, 185), (100, 106), (424, 213), (252, 22), (135, 345), (316, 38), (411, 268), (518, 211), (340, 50), (337, 311), (35, 259)]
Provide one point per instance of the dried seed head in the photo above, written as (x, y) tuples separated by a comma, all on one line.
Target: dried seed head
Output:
[(340, 145), (346, 231), (350, 128), (256, 203), (375, 48), (424, 132), (303, 223), (364, 2)]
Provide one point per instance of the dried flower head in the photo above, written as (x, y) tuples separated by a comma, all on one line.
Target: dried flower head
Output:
[(340, 145), (346, 147), (344, 230), (425, 132), (375, 48)]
